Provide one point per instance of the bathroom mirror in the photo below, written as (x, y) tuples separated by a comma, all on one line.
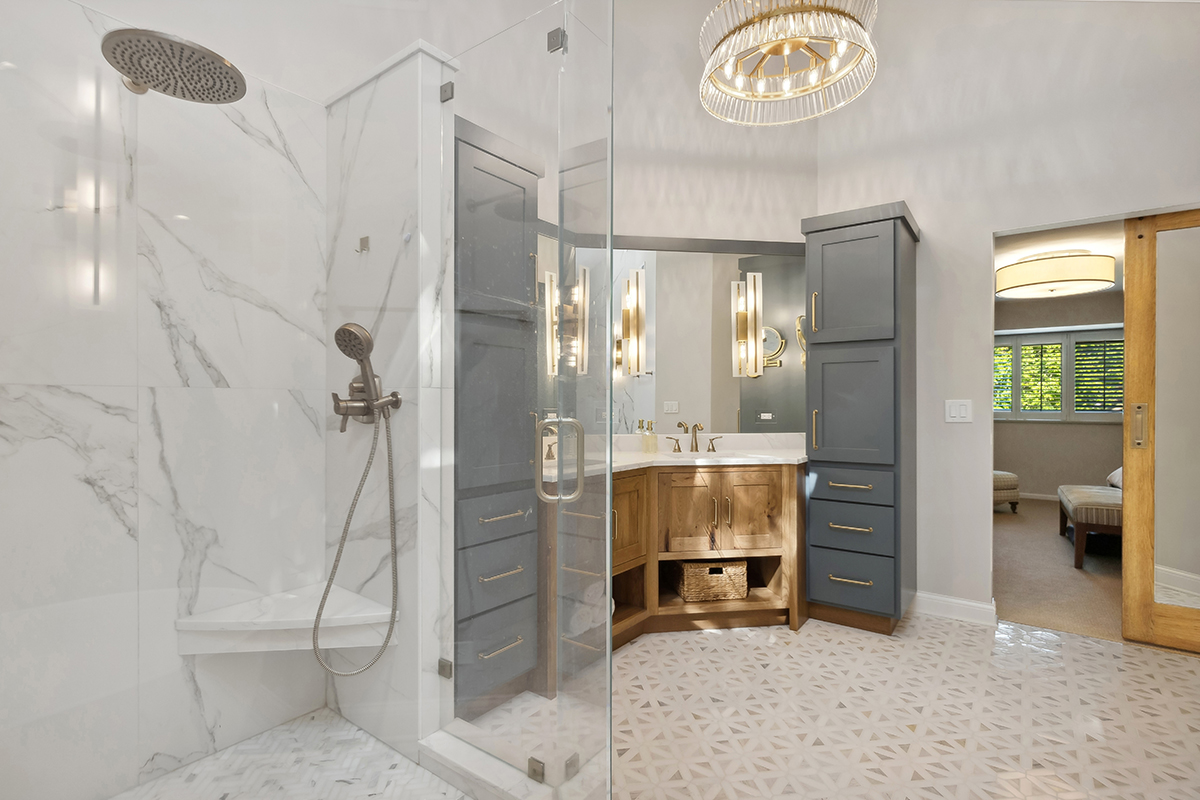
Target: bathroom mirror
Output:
[(679, 366)]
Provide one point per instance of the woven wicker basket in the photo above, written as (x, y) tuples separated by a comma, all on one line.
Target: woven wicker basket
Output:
[(696, 581)]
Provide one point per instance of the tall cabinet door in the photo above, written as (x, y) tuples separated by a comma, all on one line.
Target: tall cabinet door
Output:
[(752, 503), (851, 283), (851, 401)]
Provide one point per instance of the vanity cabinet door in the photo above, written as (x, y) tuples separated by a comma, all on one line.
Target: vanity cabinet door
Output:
[(851, 401), (628, 525), (752, 509), (687, 510), (852, 283)]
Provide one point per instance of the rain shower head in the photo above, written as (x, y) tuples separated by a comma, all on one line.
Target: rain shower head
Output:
[(172, 66)]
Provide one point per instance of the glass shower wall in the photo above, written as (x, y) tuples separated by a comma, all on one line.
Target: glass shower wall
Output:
[(162, 363)]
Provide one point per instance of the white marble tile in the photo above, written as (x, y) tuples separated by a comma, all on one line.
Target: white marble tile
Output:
[(319, 756), (68, 586), (232, 508), (68, 128), (231, 241)]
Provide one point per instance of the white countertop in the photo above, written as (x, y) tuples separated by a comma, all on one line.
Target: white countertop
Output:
[(733, 449)]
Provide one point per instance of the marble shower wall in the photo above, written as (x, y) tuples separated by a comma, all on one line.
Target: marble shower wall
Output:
[(162, 440), (385, 173)]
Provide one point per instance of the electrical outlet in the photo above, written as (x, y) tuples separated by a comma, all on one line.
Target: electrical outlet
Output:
[(670, 406), (958, 411), (601, 415)]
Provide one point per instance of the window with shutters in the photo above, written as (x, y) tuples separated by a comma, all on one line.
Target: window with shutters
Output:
[(1064, 375)]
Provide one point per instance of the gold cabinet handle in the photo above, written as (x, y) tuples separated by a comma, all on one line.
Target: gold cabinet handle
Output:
[(815, 447), (832, 577), (483, 521), (867, 486), (851, 528), (814, 313), (583, 572), (615, 523), (582, 516), (581, 644), (715, 512), (516, 571), (728, 512), (495, 653)]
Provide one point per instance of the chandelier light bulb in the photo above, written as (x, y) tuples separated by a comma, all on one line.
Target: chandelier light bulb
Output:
[(833, 64), (842, 47), (786, 84), (739, 81), (813, 76), (761, 85), (729, 69)]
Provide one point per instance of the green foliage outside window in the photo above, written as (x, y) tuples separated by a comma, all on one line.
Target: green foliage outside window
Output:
[(1002, 378), (1041, 377)]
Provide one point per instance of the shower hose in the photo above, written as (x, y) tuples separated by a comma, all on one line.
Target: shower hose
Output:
[(387, 422)]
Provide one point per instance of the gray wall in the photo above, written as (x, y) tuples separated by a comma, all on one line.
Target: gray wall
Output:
[(684, 347), (1081, 309)]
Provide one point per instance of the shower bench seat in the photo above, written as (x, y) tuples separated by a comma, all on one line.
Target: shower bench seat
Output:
[(283, 621)]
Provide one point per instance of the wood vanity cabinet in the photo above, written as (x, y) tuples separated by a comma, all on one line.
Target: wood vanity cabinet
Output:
[(709, 509), (629, 508)]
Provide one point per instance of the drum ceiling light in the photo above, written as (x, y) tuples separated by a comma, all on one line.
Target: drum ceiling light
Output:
[(1056, 275), (772, 62)]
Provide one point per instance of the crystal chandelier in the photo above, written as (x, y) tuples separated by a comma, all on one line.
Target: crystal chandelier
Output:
[(771, 62)]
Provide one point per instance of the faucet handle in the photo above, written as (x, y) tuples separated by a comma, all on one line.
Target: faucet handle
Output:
[(675, 439), (712, 447)]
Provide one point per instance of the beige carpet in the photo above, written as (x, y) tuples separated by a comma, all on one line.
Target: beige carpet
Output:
[(1035, 582)]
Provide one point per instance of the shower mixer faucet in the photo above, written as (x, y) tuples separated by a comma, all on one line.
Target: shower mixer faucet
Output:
[(366, 392)]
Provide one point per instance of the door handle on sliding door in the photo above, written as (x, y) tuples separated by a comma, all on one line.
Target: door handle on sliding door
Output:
[(539, 459)]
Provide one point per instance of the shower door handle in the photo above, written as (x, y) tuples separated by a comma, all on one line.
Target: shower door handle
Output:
[(539, 459)]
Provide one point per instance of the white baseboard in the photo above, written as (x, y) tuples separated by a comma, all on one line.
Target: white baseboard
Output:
[(940, 605), (1027, 496), (1177, 579)]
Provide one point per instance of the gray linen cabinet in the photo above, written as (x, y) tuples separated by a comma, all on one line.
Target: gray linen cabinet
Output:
[(861, 390)]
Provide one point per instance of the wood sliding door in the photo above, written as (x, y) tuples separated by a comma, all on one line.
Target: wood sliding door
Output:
[(1161, 562)]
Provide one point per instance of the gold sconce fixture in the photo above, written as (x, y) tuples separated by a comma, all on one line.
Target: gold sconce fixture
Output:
[(747, 326), (629, 349), (802, 340), (1056, 275), (567, 324), (771, 62)]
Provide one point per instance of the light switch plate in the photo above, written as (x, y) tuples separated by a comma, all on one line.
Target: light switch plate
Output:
[(959, 411), (670, 406)]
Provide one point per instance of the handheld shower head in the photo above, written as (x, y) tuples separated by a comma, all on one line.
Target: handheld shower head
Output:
[(355, 342)]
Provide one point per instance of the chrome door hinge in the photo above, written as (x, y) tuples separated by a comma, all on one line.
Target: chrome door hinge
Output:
[(556, 40), (445, 668)]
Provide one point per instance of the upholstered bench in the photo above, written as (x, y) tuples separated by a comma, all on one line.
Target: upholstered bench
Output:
[(1004, 489), (1091, 509)]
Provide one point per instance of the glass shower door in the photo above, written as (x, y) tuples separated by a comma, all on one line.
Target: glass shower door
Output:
[(531, 393)]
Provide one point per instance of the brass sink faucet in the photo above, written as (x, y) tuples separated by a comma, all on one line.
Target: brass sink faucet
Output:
[(695, 448)]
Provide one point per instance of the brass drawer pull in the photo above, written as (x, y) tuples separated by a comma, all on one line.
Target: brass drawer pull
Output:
[(815, 445), (615, 523), (584, 572), (728, 512), (483, 521), (494, 653), (847, 580), (851, 528), (814, 313), (581, 644), (715, 512), (584, 516), (867, 486), (516, 571)]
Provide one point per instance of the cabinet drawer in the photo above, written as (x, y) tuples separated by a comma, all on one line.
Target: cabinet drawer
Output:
[(876, 591), (852, 526), (852, 485), (495, 516), (494, 648), (490, 575)]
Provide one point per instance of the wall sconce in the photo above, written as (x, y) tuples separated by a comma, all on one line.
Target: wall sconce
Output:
[(747, 326), (630, 347), (567, 325)]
